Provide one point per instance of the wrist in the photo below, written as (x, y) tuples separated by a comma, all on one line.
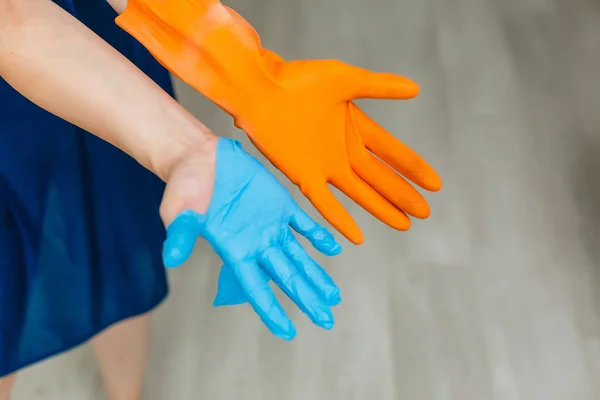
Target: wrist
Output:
[(182, 16), (205, 44), (118, 5), (183, 139)]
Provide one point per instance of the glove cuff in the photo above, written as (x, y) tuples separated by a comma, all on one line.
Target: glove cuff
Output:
[(202, 44)]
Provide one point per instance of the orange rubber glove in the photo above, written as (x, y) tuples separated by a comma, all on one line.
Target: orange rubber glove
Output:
[(299, 114)]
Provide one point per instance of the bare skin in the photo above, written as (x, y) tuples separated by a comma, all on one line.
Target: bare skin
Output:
[(121, 352), (118, 5), (56, 62), (6, 385)]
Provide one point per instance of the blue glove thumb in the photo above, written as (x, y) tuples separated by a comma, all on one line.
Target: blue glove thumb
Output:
[(181, 238)]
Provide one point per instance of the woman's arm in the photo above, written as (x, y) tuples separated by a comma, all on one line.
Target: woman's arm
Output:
[(60, 65), (118, 5)]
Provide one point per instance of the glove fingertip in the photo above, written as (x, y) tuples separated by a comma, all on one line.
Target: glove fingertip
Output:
[(318, 235), (325, 242), (334, 249), (178, 246), (288, 334), (355, 236), (175, 254), (434, 183), (396, 86), (334, 298)]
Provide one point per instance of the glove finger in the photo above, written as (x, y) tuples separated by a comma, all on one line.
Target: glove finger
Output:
[(365, 84), (393, 152), (369, 199), (263, 300), (382, 178), (316, 234), (321, 281), (391, 186), (181, 238), (229, 291), (333, 211), (293, 284)]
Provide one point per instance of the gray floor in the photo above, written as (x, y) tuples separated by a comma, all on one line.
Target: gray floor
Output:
[(497, 296)]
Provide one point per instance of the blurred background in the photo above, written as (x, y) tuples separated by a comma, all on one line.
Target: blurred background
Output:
[(495, 297)]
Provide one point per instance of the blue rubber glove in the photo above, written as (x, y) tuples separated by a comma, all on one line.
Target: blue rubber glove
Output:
[(248, 225), (230, 293)]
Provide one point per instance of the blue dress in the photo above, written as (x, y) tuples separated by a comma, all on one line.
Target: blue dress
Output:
[(80, 233)]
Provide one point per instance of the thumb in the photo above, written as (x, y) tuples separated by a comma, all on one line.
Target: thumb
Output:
[(365, 84), (181, 238)]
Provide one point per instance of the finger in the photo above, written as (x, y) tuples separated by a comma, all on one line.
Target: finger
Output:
[(365, 84), (391, 186), (383, 179), (316, 234), (181, 238), (393, 152), (256, 288), (293, 284), (333, 211), (229, 291), (316, 275), (369, 199)]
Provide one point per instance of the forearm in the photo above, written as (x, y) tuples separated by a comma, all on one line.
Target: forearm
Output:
[(60, 65), (118, 5)]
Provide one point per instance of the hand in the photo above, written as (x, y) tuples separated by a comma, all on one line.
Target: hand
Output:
[(360, 175), (299, 114), (345, 147), (247, 222)]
